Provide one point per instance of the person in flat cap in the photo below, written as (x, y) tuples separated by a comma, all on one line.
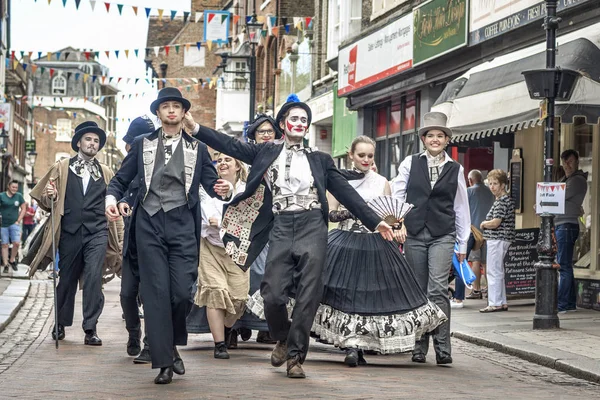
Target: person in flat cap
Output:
[(435, 184), (130, 278), (170, 166), (288, 209), (87, 242)]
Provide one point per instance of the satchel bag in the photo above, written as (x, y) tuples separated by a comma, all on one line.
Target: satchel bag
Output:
[(478, 236)]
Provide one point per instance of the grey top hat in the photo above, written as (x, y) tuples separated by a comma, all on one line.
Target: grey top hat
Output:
[(435, 120)]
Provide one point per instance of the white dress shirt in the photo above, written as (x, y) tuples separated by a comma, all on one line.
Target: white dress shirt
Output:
[(300, 179), (461, 201), (213, 208)]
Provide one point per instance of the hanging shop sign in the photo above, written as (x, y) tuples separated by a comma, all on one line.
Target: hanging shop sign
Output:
[(386, 52), (489, 19), (440, 26), (216, 26)]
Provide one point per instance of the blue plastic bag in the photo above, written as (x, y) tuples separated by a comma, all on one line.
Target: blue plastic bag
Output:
[(463, 271)]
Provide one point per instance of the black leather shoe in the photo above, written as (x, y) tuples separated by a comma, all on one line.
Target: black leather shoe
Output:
[(61, 332), (265, 337), (231, 338), (178, 366), (221, 351), (443, 360), (361, 358), (351, 359), (418, 358), (143, 358), (165, 376), (14, 265), (134, 346), (245, 334), (92, 339)]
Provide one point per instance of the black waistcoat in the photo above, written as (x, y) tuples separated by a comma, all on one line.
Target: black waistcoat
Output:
[(433, 208), (80, 210)]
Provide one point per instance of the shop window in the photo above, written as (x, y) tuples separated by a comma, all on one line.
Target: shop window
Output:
[(410, 114), (395, 119), (583, 138), (381, 122)]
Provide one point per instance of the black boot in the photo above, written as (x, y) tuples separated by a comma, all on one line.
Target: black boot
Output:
[(221, 351), (165, 376), (351, 359), (245, 334), (134, 346), (361, 358), (178, 366)]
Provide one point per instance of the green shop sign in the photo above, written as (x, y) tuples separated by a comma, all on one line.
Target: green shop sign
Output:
[(440, 26)]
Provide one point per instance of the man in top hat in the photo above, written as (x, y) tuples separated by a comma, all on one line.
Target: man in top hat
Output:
[(77, 186), (170, 166), (289, 209), (130, 278), (435, 184)]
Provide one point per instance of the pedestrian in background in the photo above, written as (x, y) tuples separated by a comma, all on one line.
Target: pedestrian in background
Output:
[(29, 220), (567, 228), (12, 209), (498, 231), (435, 184)]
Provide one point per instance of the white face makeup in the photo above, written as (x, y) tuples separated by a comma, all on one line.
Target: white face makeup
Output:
[(296, 123)]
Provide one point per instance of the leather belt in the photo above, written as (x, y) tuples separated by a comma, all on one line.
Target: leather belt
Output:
[(295, 202)]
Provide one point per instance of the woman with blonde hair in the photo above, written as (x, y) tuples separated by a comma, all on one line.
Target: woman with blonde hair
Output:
[(498, 231), (222, 285)]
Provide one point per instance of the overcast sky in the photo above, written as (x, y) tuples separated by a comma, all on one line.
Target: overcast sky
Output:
[(37, 26)]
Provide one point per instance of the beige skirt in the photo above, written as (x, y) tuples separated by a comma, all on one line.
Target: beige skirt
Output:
[(221, 284)]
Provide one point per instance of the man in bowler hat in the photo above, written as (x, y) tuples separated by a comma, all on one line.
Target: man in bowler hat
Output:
[(170, 166), (77, 186)]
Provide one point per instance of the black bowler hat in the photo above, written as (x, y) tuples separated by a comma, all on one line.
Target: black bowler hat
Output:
[(293, 101), (258, 121), (139, 126), (169, 94), (88, 127)]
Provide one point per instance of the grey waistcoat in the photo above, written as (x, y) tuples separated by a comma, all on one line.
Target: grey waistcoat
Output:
[(167, 187)]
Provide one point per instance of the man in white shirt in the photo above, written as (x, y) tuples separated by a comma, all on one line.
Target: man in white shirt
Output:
[(435, 184)]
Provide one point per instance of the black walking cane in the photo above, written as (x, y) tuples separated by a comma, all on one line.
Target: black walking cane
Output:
[(54, 268)]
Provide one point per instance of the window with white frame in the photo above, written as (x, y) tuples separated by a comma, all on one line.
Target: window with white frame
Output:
[(60, 156), (380, 7), (344, 22), (59, 85), (63, 130)]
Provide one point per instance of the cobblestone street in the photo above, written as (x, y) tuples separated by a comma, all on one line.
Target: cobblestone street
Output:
[(33, 369)]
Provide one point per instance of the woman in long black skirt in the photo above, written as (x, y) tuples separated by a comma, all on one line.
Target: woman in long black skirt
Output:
[(371, 300)]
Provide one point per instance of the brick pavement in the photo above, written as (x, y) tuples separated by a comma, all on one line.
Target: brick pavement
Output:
[(37, 370)]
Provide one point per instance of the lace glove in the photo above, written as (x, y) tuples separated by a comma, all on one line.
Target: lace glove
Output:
[(339, 216)]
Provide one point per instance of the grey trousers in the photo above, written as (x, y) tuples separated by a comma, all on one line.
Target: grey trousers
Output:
[(295, 262), (431, 260)]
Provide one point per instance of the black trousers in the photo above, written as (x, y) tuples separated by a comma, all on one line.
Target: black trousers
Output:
[(130, 285), (168, 260), (295, 262), (81, 255)]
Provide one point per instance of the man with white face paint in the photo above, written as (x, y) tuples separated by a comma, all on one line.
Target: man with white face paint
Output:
[(290, 210)]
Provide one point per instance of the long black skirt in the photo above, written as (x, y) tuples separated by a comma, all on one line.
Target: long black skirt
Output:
[(371, 299)]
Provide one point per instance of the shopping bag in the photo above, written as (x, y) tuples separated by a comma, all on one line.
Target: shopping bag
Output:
[(463, 270)]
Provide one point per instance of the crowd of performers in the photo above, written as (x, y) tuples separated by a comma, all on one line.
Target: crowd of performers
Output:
[(235, 238)]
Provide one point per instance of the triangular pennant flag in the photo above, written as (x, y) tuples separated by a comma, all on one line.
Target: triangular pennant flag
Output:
[(126, 53), (76, 76), (58, 55), (64, 3), (298, 23), (134, 9), (197, 17), (236, 18), (264, 33), (22, 54), (117, 53), (48, 56), (287, 28), (167, 50), (260, 19), (103, 79), (177, 48), (51, 72), (210, 17), (156, 50), (187, 47), (248, 19), (33, 68), (49, 1), (24, 65), (284, 20), (30, 54), (67, 55), (120, 7), (223, 18), (77, 4), (85, 78), (173, 14), (186, 15), (136, 80), (119, 80), (12, 55), (69, 75), (93, 4), (96, 54), (109, 79), (87, 55), (209, 44), (94, 77), (15, 64), (275, 31), (160, 14), (273, 20), (198, 44), (136, 52), (39, 54), (107, 52), (308, 22), (148, 12), (107, 5)]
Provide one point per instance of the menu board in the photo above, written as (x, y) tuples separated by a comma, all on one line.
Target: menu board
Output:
[(519, 264), (516, 183), (588, 294)]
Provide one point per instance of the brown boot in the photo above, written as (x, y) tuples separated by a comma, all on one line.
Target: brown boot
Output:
[(279, 354), (294, 368)]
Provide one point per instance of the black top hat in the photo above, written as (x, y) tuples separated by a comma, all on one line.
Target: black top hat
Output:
[(258, 121), (293, 101), (169, 94), (88, 127), (139, 126)]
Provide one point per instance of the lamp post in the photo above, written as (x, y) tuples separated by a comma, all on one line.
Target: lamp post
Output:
[(31, 156), (163, 73), (4, 156), (550, 84), (254, 31)]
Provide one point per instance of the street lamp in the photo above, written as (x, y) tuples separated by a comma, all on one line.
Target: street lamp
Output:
[(551, 84), (32, 156), (163, 72), (254, 30), (3, 140)]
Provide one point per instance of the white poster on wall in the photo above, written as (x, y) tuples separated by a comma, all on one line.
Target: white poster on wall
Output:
[(386, 52)]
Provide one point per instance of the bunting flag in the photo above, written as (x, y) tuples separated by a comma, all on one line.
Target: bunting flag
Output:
[(135, 9), (93, 4), (186, 15), (160, 14), (173, 13), (120, 7), (236, 18), (107, 5)]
